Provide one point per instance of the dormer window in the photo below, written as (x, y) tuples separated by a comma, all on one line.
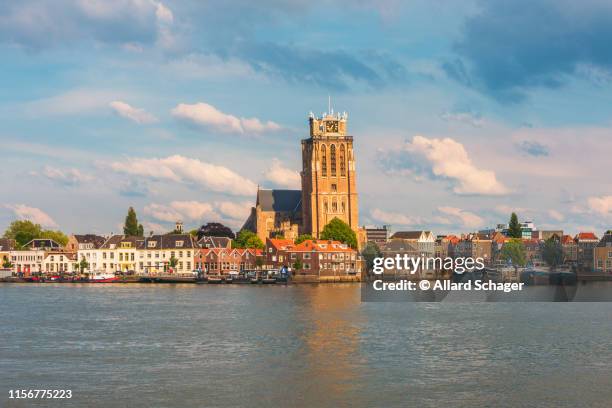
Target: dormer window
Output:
[(179, 244), (152, 244)]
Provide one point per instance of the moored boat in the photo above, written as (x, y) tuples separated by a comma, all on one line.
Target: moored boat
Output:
[(102, 277)]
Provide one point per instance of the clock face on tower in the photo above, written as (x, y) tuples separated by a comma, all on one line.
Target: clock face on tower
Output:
[(331, 126)]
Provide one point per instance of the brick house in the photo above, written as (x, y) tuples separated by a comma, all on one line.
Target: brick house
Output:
[(602, 254), (221, 261), (585, 242)]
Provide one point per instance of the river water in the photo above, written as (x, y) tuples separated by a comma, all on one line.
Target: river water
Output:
[(163, 345)]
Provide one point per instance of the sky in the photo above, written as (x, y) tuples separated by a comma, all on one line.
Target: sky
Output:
[(461, 112)]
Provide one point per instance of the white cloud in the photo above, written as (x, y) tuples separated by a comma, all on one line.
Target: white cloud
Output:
[(137, 115), (66, 177), (181, 211), (282, 176), (447, 158), (504, 209), (36, 215), (601, 205), (555, 215), (227, 212), (463, 117), (164, 14), (394, 218), (206, 115), (238, 211), (76, 101), (186, 170), (450, 216)]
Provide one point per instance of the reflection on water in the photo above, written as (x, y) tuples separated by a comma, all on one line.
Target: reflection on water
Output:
[(297, 346)]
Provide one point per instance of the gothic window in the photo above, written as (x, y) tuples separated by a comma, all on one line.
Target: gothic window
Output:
[(325, 206), (323, 161), (332, 160), (334, 206), (342, 162), (343, 207)]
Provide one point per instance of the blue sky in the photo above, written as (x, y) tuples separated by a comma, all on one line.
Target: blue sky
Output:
[(461, 112)]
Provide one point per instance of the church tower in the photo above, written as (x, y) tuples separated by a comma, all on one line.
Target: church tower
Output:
[(328, 174)]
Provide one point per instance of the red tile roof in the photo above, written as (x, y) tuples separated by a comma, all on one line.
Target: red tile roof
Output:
[(321, 246), (586, 236)]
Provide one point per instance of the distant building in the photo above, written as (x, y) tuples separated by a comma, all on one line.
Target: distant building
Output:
[(222, 261), (42, 244), (377, 235), (570, 249), (422, 240), (60, 262), (28, 261), (319, 259), (475, 246), (585, 242), (602, 254), (328, 186), (545, 235), (214, 242), (6, 246), (406, 248), (86, 241), (122, 253), (276, 212)]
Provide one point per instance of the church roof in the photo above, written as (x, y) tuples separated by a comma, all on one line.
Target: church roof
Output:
[(280, 200)]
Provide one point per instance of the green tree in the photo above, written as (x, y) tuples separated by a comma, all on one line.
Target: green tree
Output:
[(370, 251), (339, 230), (247, 239), (23, 231), (172, 262), (514, 228), (7, 263), (57, 236), (552, 253), (302, 238), (514, 251), (297, 265), (131, 226), (83, 264)]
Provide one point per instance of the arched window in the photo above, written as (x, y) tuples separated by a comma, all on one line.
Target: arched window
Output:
[(323, 161), (334, 206), (342, 162), (343, 207), (325, 207), (332, 160)]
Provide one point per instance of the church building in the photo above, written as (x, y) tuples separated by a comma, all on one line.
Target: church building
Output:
[(328, 186)]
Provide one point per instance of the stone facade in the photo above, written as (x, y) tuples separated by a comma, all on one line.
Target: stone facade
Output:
[(328, 191), (329, 188)]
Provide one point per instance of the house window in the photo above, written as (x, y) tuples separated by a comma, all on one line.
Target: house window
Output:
[(334, 187), (152, 244), (306, 266), (179, 244), (306, 256)]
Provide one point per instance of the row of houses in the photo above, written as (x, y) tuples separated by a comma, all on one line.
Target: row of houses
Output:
[(584, 251), (180, 253)]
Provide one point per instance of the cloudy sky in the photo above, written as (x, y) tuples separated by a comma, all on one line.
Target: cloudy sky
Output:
[(461, 111)]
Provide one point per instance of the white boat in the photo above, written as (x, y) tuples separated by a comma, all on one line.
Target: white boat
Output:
[(102, 277)]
